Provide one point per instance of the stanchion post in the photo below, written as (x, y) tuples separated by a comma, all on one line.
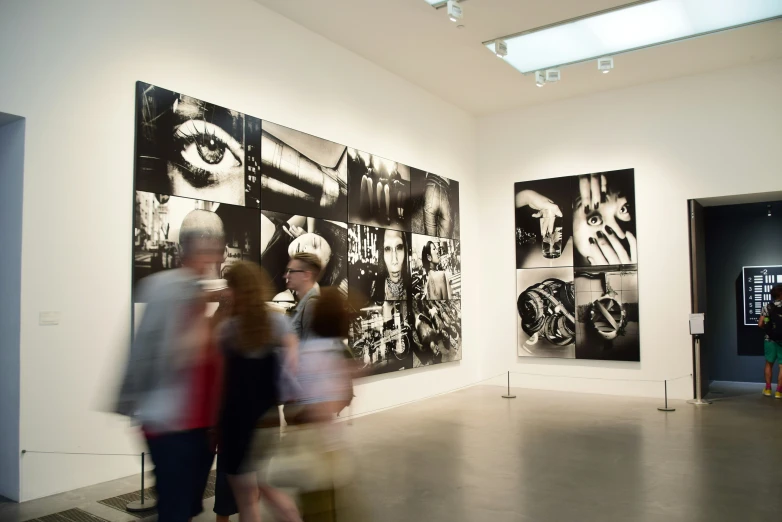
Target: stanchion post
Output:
[(141, 505), (508, 396), (666, 408), (699, 400)]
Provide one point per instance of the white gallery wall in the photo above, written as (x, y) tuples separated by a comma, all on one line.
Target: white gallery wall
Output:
[(709, 135), (72, 75)]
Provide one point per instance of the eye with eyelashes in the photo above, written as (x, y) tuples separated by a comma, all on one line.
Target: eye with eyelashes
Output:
[(206, 152)]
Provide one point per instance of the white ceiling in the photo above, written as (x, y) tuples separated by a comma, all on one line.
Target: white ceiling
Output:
[(419, 43)]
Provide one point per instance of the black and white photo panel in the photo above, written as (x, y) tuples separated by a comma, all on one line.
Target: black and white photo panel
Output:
[(381, 336), (437, 332), (544, 218), (607, 313), (191, 148), (303, 174), (379, 191), (604, 230), (545, 312), (435, 266), (160, 218), (434, 204), (378, 264), (283, 235)]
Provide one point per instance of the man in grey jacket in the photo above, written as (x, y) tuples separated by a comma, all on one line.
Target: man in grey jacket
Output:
[(169, 382), (302, 277)]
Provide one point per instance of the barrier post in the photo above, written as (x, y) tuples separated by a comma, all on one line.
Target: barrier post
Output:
[(143, 504), (666, 408), (508, 396)]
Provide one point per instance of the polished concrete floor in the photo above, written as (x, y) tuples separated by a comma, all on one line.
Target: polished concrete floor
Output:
[(473, 456)]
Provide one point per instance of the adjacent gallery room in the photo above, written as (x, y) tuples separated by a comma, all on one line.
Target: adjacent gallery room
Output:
[(511, 260)]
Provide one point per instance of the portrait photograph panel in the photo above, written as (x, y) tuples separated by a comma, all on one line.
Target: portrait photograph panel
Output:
[(435, 265), (159, 219), (303, 174), (607, 313), (381, 337), (379, 191), (604, 230), (544, 222), (378, 264), (545, 306), (434, 204), (283, 235), (437, 332), (191, 148)]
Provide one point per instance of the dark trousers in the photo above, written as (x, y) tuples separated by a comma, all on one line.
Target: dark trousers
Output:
[(182, 464)]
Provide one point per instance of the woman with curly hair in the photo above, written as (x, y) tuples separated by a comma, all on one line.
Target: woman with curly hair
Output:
[(257, 342)]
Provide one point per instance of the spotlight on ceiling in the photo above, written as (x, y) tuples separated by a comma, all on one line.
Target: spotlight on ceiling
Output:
[(540, 78), (454, 11), (553, 75), (605, 65), (501, 48)]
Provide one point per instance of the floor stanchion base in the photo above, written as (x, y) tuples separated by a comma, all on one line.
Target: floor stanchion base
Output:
[(137, 506), (508, 396), (699, 402), (667, 409)]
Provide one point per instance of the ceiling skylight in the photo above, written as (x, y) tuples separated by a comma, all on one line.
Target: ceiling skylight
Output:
[(639, 25)]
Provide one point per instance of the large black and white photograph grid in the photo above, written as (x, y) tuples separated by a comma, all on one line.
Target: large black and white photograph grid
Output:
[(607, 313), (303, 174), (434, 205), (275, 192), (284, 235), (191, 148), (437, 332), (435, 265), (381, 336), (545, 312), (544, 222), (379, 191), (159, 219)]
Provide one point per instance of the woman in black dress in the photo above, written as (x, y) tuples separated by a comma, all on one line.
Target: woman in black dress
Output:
[(256, 342)]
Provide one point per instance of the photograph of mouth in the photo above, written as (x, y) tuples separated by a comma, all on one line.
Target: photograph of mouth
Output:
[(284, 235), (190, 148), (378, 264), (159, 219), (381, 337), (303, 174)]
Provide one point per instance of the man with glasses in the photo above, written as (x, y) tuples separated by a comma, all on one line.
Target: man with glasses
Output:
[(301, 277)]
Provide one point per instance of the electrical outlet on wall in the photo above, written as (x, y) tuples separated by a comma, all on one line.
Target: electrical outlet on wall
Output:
[(48, 318)]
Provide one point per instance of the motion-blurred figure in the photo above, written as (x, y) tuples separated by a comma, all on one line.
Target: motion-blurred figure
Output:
[(171, 381), (301, 277), (256, 342)]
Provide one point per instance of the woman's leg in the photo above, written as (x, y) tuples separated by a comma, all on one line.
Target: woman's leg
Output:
[(245, 490), (284, 507), (387, 193)]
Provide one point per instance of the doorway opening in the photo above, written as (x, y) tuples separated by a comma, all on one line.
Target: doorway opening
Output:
[(735, 259)]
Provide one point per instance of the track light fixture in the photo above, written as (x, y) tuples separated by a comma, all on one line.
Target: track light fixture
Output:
[(454, 10), (605, 65), (553, 75), (769, 210), (501, 48), (540, 78)]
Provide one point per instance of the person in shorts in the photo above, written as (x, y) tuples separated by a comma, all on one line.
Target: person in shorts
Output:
[(771, 322)]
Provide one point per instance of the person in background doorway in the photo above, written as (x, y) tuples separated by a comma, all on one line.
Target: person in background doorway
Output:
[(302, 277), (171, 382), (771, 322)]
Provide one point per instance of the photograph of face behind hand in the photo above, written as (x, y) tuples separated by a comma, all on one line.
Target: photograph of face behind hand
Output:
[(604, 219), (544, 221), (191, 148)]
